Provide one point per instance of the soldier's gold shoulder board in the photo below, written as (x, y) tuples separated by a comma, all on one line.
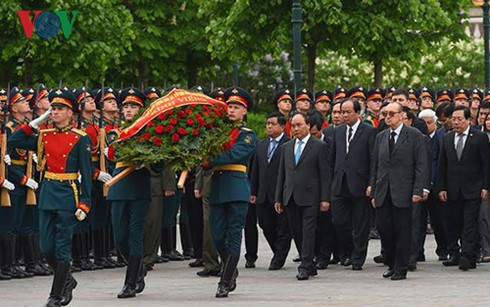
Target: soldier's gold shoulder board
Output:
[(10, 125), (79, 132), (246, 129)]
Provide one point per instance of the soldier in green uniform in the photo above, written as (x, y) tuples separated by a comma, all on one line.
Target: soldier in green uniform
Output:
[(374, 100), (64, 153), (6, 219), (130, 199), (230, 189)]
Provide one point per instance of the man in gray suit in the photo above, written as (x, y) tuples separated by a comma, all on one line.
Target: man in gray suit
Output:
[(400, 174), (303, 187)]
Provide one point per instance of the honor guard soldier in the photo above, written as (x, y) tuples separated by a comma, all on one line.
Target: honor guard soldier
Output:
[(475, 100), (389, 94), (359, 92), (230, 189), (303, 100), (323, 100), (462, 97), (339, 94), (100, 213), (427, 97), (64, 153), (130, 198), (444, 96), (413, 100), (374, 100), (284, 103)]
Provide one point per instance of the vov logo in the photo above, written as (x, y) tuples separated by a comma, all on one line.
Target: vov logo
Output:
[(47, 24)]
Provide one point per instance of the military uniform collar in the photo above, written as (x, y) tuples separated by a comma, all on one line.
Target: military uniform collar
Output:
[(64, 129)]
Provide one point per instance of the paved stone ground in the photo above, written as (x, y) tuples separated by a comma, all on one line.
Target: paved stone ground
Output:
[(175, 284)]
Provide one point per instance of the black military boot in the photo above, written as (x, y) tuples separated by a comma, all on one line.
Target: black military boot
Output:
[(98, 242), (140, 281), (186, 241), (3, 261), (106, 249), (71, 283), (170, 242), (129, 289), (59, 281), (227, 282), (37, 255), (17, 250), (32, 258)]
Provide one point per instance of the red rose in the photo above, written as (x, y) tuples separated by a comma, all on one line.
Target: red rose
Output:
[(157, 141), (175, 137), (147, 136), (169, 128), (150, 124), (181, 131), (205, 108), (205, 114), (217, 112), (198, 116), (173, 121), (201, 122), (193, 105), (159, 129), (188, 111), (195, 132), (170, 112), (190, 121), (162, 116), (210, 125), (180, 113)]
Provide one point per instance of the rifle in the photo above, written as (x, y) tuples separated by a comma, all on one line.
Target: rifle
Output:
[(4, 194), (31, 195)]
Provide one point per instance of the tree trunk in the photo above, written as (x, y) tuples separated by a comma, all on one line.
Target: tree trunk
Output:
[(378, 73), (311, 55), (191, 70), (143, 75), (28, 72)]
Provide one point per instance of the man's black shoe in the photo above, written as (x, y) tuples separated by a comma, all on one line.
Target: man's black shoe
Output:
[(378, 259), (356, 267), (412, 267), (207, 273), (452, 261), (250, 264), (388, 273), (297, 258), (346, 262), (196, 263), (302, 275), (398, 276), (321, 265)]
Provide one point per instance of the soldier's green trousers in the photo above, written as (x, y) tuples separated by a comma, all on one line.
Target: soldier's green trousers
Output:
[(128, 222), (226, 222), (56, 229)]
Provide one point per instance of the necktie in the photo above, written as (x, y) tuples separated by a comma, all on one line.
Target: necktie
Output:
[(297, 154), (272, 148), (459, 146), (349, 138), (392, 141)]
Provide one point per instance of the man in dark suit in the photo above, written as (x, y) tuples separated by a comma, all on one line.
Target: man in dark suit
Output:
[(399, 176), (463, 179), (351, 165), (263, 187), (303, 187)]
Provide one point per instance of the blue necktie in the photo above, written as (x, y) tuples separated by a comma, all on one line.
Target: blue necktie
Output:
[(272, 149), (297, 154)]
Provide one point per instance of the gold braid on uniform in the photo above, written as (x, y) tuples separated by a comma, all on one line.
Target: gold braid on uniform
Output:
[(41, 158)]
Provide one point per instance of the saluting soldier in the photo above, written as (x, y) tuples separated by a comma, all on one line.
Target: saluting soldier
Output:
[(130, 199), (64, 153), (230, 189)]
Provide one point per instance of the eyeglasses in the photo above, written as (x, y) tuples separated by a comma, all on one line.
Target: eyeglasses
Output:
[(389, 113)]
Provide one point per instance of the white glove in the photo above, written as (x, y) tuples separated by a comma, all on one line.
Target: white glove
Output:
[(32, 184), (8, 185), (35, 123), (106, 152), (80, 215), (104, 177), (7, 159), (80, 178), (34, 158)]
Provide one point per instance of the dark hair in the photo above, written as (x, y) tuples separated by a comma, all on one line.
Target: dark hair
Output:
[(484, 105), (316, 119), (445, 108), (281, 120), (484, 123), (355, 102), (466, 111), (307, 121), (409, 113), (400, 92), (384, 105)]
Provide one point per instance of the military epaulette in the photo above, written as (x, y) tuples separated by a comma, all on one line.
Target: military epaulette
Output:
[(10, 125), (78, 131), (246, 129), (47, 130)]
